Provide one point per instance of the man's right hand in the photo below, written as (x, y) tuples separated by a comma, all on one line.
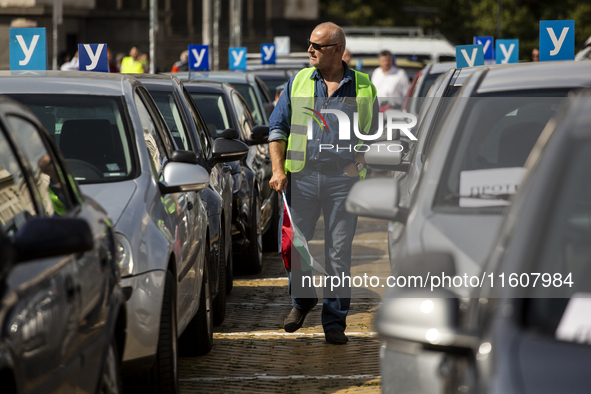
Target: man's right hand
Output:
[(278, 181)]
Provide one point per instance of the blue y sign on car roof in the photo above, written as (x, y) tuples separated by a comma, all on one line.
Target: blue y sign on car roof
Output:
[(28, 49), (557, 40), (93, 57), (237, 58), (469, 56), (198, 57), (487, 46), (507, 51), (268, 55)]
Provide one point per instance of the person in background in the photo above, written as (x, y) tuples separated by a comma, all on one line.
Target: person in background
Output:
[(132, 63), (183, 63), (118, 59), (112, 67), (347, 57), (535, 55), (391, 81), (72, 65)]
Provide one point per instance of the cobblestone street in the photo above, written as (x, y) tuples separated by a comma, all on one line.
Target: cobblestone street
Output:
[(253, 354)]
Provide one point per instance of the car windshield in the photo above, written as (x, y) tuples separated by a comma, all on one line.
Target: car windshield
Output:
[(484, 165), (214, 112), (90, 132), (251, 99), (272, 83), (171, 113)]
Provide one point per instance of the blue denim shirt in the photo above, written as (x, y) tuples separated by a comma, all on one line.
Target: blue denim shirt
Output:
[(280, 119)]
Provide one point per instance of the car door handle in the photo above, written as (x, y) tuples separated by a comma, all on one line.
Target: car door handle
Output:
[(226, 168), (189, 205), (267, 161), (70, 289)]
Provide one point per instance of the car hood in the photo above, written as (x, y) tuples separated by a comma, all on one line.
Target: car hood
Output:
[(468, 237), (114, 197)]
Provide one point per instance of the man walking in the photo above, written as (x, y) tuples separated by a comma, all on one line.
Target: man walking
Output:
[(317, 169)]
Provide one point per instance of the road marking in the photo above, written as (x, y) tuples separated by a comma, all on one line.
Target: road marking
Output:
[(293, 334), (263, 376), (355, 241), (260, 279), (270, 304)]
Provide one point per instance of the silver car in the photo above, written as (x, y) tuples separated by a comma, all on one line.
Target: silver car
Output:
[(119, 149)]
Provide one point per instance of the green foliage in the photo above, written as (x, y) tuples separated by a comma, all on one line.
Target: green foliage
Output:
[(460, 20)]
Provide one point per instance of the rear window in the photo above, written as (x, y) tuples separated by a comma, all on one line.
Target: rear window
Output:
[(90, 132)]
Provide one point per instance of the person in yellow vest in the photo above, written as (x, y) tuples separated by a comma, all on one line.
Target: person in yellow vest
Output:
[(317, 168), (131, 64)]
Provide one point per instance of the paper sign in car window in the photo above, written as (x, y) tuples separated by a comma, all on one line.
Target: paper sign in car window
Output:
[(480, 188), (575, 323)]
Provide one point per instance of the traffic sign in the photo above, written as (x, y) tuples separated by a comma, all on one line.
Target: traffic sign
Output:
[(282, 45), (557, 40), (93, 57), (487, 43), (198, 57), (268, 54), (469, 56), (507, 51), (28, 48), (237, 58)]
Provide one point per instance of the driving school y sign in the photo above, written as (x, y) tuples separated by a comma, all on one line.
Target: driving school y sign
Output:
[(28, 49)]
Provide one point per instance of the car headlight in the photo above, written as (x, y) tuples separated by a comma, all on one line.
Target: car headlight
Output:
[(237, 181), (123, 254)]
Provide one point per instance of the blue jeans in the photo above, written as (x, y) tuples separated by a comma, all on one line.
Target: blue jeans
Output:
[(309, 192)]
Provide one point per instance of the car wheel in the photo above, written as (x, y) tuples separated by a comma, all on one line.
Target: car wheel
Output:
[(110, 379), (271, 237), (253, 263), (164, 372), (219, 306), (197, 339)]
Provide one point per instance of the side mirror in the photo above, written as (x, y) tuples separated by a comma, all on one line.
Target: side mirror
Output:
[(416, 314), (225, 150), (386, 155), (183, 177), (376, 198), (230, 134), (50, 237), (184, 156), (259, 135)]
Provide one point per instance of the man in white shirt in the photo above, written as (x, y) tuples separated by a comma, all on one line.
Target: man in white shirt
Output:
[(390, 81)]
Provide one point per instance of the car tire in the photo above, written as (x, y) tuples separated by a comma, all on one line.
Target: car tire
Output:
[(219, 305), (197, 340), (253, 263), (271, 237), (230, 273), (164, 373), (110, 379)]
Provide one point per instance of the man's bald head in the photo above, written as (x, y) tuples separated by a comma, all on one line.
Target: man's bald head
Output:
[(332, 32)]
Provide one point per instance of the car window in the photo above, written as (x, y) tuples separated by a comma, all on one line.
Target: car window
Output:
[(50, 181), (266, 95), (16, 203), (214, 112), (250, 97), (89, 130), (243, 116), (172, 116), (156, 150), (204, 136), (492, 142)]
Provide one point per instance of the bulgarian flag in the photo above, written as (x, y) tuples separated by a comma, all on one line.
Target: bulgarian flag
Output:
[(292, 237)]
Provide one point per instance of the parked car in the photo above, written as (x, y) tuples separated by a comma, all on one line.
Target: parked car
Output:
[(488, 133), (59, 282), (421, 84), (273, 77), (256, 207), (251, 87), (189, 132), (121, 152), (528, 335)]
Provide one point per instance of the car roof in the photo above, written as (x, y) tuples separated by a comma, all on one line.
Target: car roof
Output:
[(219, 76), (158, 81), (527, 76), (206, 86), (65, 82), (439, 68)]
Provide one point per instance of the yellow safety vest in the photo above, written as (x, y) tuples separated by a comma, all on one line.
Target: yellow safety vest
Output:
[(128, 65), (302, 90)]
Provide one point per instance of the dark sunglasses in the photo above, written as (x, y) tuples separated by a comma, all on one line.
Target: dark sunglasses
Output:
[(319, 47)]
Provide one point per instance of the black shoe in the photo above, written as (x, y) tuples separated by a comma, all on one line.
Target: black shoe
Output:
[(295, 319), (335, 336)]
